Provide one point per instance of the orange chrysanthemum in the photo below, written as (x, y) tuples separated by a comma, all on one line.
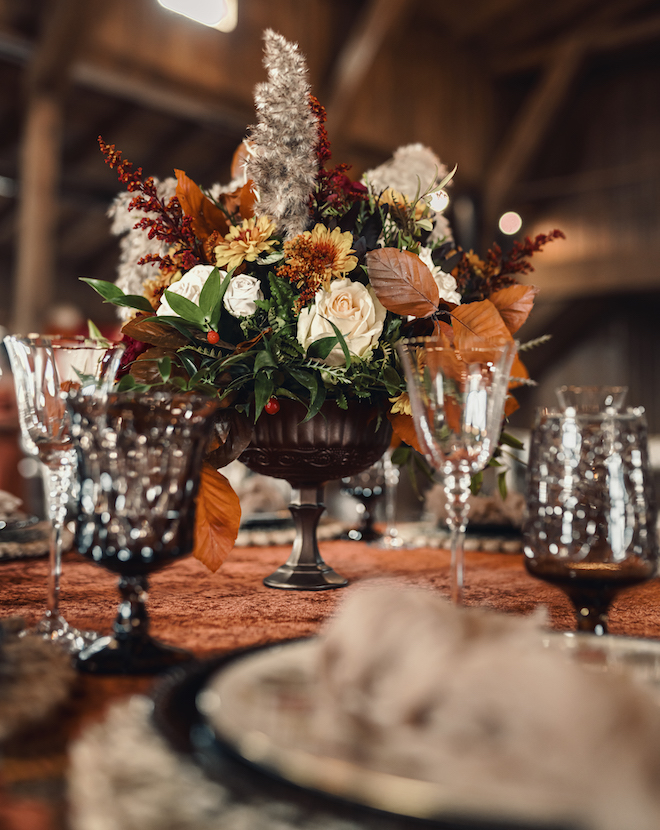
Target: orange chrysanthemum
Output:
[(245, 242), (315, 257)]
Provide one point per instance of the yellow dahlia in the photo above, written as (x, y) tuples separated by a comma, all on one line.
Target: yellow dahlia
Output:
[(401, 404), (398, 200), (245, 242)]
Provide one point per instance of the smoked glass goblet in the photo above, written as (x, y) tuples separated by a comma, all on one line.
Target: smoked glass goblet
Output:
[(457, 400), (45, 369), (591, 518), (139, 464)]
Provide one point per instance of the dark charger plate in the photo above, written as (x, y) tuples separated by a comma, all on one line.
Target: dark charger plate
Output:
[(178, 719)]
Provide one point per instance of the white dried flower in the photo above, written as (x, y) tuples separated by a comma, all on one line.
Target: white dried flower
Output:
[(136, 244), (283, 162)]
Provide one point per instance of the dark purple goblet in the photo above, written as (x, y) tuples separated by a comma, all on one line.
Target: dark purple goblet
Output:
[(139, 466)]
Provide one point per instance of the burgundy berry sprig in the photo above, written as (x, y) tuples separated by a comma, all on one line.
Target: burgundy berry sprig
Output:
[(169, 225)]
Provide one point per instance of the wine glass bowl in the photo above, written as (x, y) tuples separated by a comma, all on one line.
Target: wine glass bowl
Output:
[(591, 520), (45, 369), (457, 399), (139, 462)]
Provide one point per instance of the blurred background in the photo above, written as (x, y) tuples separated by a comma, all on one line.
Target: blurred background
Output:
[(549, 109)]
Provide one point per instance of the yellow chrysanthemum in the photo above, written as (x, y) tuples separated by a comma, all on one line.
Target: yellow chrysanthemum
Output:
[(401, 405), (398, 200), (245, 242)]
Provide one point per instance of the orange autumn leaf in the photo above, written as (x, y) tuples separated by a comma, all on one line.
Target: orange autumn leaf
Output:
[(402, 282), (217, 519), (518, 370), (206, 217), (477, 325), (510, 406), (241, 200), (514, 304), (403, 427)]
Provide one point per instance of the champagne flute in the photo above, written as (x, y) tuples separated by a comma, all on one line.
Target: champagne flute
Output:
[(457, 400), (590, 527), (45, 369)]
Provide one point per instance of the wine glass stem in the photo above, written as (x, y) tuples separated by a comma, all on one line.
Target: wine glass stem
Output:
[(457, 492), (57, 477)]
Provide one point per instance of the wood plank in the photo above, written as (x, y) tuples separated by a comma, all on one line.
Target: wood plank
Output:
[(530, 125), (355, 60), (40, 160)]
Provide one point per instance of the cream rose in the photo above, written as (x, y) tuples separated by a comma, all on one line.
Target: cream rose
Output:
[(189, 286), (241, 293), (353, 308), (445, 282)]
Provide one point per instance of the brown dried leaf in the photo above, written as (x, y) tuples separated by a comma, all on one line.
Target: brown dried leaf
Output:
[(514, 304), (402, 282), (145, 367), (403, 427), (518, 370), (231, 435), (217, 519), (206, 217), (477, 325), (155, 334)]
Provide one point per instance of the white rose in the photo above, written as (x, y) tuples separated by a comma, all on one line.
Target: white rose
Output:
[(445, 282), (189, 286), (241, 293), (353, 308)]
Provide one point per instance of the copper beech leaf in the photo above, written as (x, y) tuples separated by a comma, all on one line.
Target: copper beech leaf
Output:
[(145, 367), (402, 282), (403, 427), (477, 325), (145, 329), (217, 518), (514, 304), (206, 217)]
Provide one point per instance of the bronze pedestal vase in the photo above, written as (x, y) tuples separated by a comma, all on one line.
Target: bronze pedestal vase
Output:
[(333, 444)]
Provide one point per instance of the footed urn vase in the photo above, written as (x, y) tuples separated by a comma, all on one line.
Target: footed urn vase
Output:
[(333, 444)]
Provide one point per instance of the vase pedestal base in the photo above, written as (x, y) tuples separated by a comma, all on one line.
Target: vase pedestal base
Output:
[(303, 578), (305, 569)]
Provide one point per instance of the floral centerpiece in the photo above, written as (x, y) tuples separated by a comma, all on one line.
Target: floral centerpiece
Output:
[(294, 281)]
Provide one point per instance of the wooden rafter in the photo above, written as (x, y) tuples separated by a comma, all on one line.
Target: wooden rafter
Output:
[(369, 33), (530, 126), (46, 79)]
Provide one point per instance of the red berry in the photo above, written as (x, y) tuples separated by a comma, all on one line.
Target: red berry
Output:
[(213, 337), (272, 406)]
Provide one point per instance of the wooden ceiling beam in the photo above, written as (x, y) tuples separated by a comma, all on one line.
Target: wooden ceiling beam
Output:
[(530, 126), (46, 79), (604, 41), (356, 58), (124, 85)]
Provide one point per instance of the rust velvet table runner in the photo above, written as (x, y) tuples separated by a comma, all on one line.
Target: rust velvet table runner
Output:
[(214, 613)]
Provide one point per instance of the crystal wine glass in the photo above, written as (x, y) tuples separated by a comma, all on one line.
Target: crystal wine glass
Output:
[(139, 464), (457, 400), (44, 370), (590, 527)]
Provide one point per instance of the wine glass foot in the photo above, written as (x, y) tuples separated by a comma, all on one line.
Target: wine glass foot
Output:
[(56, 629), (316, 577), (114, 655)]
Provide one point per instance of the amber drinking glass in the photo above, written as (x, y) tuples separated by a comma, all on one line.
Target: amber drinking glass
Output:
[(139, 461), (591, 518)]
